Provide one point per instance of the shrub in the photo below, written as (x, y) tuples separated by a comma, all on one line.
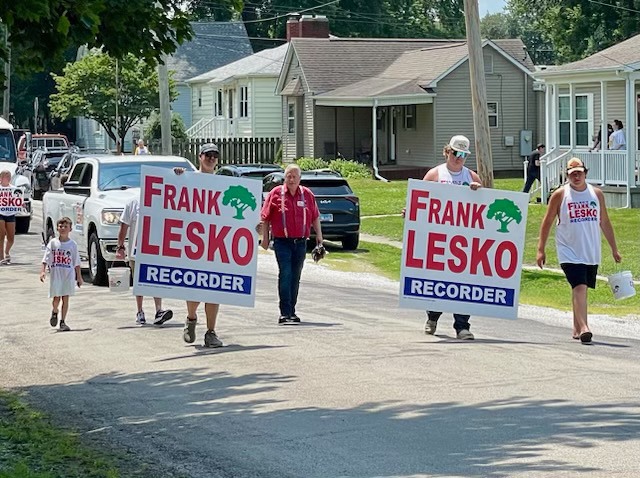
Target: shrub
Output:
[(350, 169), (152, 127), (307, 164)]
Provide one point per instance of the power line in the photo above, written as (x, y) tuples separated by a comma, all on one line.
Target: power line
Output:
[(615, 6), (286, 15)]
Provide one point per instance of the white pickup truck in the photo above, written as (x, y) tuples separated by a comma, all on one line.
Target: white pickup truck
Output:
[(93, 197), (9, 161)]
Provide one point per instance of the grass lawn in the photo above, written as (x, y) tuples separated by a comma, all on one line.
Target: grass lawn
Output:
[(537, 287), (31, 447)]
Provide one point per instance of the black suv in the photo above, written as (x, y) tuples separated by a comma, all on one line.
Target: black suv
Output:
[(251, 171), (339, 206)]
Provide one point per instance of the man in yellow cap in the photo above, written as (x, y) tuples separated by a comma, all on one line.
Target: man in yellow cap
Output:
[(581, 213)]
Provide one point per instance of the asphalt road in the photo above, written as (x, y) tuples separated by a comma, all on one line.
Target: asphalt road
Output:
[(356, 390)]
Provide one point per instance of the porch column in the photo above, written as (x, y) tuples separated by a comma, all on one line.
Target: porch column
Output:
[(631, 133), (547, 115), (604, 133), (554, 115), (572, 116), (374, 136)]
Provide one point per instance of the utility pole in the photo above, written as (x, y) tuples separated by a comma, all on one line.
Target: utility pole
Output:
[(478, 93), (118, 142), (7, 76), (165, 108)]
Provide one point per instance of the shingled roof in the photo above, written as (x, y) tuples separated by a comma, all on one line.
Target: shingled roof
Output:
[(624, 55), (373, 67), (213, 45)]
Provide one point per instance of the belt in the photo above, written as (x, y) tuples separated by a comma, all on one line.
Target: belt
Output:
[(295, 240)]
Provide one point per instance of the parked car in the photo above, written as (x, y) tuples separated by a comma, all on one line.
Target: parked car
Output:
[(9, 162), (43, 162), (252, 171), (339, 206), (46, 140)]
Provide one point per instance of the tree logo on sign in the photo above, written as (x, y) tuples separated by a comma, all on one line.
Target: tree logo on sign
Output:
[(239, 198), (505, 212)]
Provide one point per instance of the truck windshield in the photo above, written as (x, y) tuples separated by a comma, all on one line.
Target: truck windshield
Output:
[(7, 147), (127, 175)]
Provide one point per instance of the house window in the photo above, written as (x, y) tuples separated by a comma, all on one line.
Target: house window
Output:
[(492, 108), (564, 120), (583, 119), (244, 101), (291, 118), (199, 96), (410, 117), (488, 63), (230, 104), (218, 106)]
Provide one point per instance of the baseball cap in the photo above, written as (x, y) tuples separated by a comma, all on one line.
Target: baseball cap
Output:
[(460, 143), (208, 148), (575, 164)]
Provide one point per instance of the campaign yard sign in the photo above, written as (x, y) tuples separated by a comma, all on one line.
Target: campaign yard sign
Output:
[(462, 249), (196, 237), (11, 201)]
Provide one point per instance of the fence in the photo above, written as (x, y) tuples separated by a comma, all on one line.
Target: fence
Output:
[(232, 150)]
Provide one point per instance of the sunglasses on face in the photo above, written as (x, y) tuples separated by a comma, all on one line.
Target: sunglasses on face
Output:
[(461, 154), (211, 155)]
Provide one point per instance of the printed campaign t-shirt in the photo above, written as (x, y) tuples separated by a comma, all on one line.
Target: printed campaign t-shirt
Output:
[(578, 229), (130, 218), (62, 259), (10, 201)]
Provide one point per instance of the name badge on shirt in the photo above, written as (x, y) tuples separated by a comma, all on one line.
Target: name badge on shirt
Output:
[(301, 203)]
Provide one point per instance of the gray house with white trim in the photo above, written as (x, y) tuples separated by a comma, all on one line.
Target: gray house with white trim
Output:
[(407, 97)]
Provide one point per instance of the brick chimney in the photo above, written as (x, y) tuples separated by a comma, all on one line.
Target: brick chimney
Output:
[(293, 26), (314, 26)]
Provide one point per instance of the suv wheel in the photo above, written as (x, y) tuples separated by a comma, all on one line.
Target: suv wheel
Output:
[(97, 264), (350, 243)]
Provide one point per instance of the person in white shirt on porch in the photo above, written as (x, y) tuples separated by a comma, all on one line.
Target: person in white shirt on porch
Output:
[(618, 139)]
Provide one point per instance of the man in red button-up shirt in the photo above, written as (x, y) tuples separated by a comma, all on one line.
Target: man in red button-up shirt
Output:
[(290, 210)]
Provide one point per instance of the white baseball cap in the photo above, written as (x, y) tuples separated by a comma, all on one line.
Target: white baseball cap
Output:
[(460, 143)]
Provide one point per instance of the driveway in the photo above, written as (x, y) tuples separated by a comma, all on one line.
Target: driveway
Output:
[(356, 390)]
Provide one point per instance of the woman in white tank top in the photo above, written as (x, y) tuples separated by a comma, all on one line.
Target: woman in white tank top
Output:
[(581, 213)]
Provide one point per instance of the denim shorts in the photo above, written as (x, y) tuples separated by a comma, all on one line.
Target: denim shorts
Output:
[(7, 218)]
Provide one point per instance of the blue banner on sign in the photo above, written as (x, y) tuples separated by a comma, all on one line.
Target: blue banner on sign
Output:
[(460, 292), (193, 279)]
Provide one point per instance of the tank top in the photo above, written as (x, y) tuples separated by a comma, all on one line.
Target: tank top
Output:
[(578, 230), (462, 178)]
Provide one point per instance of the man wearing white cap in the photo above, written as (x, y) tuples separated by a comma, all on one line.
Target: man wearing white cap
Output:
[(453, 171), (581, 212)]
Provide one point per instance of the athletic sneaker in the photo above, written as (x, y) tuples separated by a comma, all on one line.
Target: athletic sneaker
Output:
[(140, 320), (64, 327), (430, 327), (283, 319), (211, 339), (294, 318), (54, 319), (189, 333), (465, 334), (162, 316)]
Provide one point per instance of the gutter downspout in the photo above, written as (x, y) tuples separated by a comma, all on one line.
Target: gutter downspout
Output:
[(374, 135)]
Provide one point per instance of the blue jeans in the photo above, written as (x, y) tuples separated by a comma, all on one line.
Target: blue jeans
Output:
[(290, 254), (460, 322)]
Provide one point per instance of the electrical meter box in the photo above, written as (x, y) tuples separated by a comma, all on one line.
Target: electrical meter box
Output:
[(526, 142)]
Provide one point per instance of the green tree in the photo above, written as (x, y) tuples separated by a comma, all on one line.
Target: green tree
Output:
[(505, 212), (43, 29), (152, 128), (88, 88), (239, 198)]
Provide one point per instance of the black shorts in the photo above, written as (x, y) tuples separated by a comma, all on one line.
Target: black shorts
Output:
[(7, 218), (580, 274)]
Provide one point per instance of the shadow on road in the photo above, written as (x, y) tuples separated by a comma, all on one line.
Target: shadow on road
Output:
[(194, 419)]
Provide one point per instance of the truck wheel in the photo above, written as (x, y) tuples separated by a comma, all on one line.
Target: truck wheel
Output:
[(97, 264), (22, 225), (350, 242)]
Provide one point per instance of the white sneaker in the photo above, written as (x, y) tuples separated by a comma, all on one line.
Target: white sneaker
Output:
[(140, 320), (465, 334), (430, 326)]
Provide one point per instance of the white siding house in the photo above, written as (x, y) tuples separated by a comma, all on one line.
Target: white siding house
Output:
[(238, 100)]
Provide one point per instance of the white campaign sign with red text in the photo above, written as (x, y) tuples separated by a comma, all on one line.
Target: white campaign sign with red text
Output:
[(462, 249), (196, 237), (11, 201)]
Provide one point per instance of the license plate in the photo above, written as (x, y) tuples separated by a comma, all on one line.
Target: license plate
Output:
[(326, 217)]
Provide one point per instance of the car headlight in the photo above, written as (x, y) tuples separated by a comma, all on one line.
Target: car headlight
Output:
[(109, 217)]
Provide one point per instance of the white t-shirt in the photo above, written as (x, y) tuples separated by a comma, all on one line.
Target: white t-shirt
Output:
[(618, 140), (62, 259), (578, 230), (461, 178), (130, 217)]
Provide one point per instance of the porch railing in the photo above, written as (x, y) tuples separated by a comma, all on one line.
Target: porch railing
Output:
[(552, 171), (212, 128)]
